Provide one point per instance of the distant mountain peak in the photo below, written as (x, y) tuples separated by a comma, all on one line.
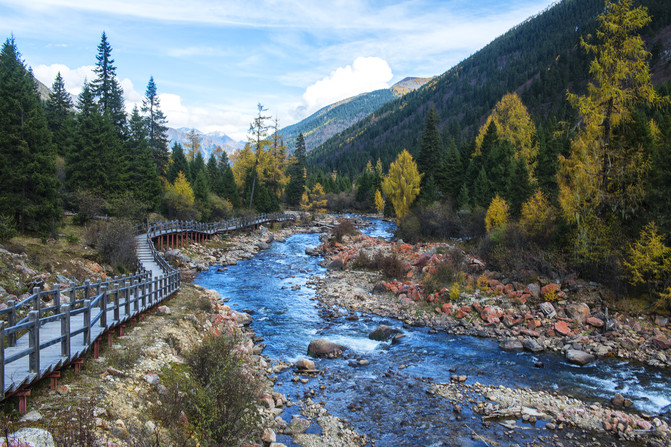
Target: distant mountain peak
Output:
[(407, 85)]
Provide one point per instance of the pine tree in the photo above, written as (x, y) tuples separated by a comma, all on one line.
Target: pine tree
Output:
[(196, 166), (141, 176), (29, 192), (482, 192), (450, 176), (178, 163), (192, 144), (96, 159), (296, 173), (520, 187), (430, 155), (156, 127), (106, 87), (60, 116)]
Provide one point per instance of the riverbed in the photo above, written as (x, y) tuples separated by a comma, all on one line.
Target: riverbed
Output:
[(388, 399)]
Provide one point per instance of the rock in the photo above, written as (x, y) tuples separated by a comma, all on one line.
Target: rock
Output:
[(305, 365), (320, 347), (243, 318), (578, 311), (63, 389), (661, 321), (397, 339), (163, 310), (594, 321), (383, 333), (579, 357), (277, 444), (619, 401), (298, 425), (562, 327), (532, 345), (32, 437), (534, 289), (268, 436), (661, 342), (263, 246), (31, 416), (364, 362), (267, 401), (548, 309), (151, 378), (176, 257), (511, 344), (550, 291)]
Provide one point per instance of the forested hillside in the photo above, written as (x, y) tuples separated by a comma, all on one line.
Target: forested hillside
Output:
[(334, 118), (539, 59)]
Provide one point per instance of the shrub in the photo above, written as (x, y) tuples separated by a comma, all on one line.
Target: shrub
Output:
[(215, 394), (446, 272), (391, 266), (115, 241), (346, 227), (88, 205), (409, 229), (438, 221)]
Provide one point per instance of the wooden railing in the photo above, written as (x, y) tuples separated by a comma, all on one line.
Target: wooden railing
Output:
[(36, 340)]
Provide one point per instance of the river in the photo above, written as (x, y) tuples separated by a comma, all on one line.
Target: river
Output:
[(387, 399)]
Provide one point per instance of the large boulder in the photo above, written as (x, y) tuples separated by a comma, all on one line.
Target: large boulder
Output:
[(176, 258), (31, 437), (511, 344), (532, 345), (383, 333), (320, 347), (579, 357)]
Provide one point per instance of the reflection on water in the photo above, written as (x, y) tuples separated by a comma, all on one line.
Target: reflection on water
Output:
[(387, 399)]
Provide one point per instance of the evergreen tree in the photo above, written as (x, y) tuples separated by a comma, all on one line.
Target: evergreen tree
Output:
[(178, 163), (464, 198), (498, 166), (296, 172), (201, 188), (213, 173), (482, 193), (196, 166), (141, 177), (60, 116), (96, 158), (156, 127), (106, 87), (519, 187), (450, 176), (430, 154), (29, 192)]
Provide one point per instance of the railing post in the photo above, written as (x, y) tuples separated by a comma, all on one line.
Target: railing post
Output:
[(127, 300), (57, 298), (65, 332), (116, 302), (34, 341), (2, 359), (103, 307), (87, 290), (11, 321), (73, 294), (136, 300), (87, 322), (146, 290), (38, 299)]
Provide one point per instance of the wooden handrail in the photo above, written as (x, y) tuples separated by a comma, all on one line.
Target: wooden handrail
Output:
[(88, 305)]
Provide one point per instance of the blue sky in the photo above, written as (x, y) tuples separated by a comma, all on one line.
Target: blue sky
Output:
[(213, 61)]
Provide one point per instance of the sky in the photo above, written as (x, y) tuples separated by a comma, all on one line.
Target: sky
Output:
[(213, 61)]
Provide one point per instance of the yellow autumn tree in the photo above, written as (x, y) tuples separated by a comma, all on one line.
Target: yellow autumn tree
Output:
[(497, 214), (513, 123), (305, 201), (379, 201), (401, 185), (179, 199), (601, 175), (318, 202), (538, 216), (649, 260)]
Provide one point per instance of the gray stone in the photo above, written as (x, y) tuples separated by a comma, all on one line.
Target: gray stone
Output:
[(511, 344), (32, 416), (383, 333), (268, 436), (532, 345), (298, 425), (579, 357), (305, 365), (33, 437), (548, 309), (534, 289), (320, 347)]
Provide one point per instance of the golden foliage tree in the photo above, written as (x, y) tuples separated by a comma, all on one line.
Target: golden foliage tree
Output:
[(649, 260), (538, 215), (179, 198), (192, 144), (318, 202), (497, 214), (379, 201), (513, 123), (590, 178), (401, 185)]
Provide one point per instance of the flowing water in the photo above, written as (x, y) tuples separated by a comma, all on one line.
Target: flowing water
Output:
[(387, 399)]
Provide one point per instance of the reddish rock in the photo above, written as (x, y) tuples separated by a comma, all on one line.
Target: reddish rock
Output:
[(491, 314), (530, 333), (459, 314), (477, 306), (562, 327), (466, 309), (533, 323), (509, 288), (550, 289), (659, 320), (661, 342), (447, 308), (594, 321)]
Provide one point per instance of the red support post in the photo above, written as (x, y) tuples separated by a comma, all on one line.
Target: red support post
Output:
[(23, 398), (54, 380), (96, 348), (79, 362)]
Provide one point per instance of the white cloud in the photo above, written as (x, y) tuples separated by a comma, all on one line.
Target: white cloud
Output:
[(72, 77), (364, 75)]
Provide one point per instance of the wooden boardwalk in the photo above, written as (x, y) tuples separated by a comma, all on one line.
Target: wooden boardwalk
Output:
[(46, 338)]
